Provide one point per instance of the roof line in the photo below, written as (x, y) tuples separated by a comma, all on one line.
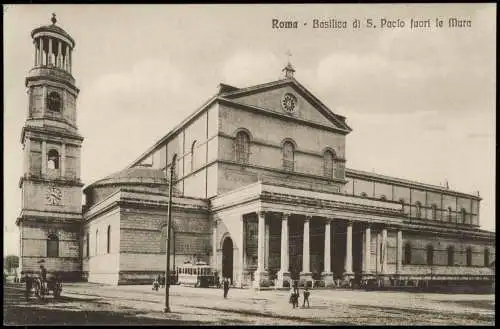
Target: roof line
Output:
[(406, 181), (175, 129)]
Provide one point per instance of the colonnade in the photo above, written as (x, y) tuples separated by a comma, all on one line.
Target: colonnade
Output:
[(51, 51), (284, 272)]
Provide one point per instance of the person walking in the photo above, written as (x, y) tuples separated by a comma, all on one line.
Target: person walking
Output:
[(28, 286), (307, 293), (226, 287)]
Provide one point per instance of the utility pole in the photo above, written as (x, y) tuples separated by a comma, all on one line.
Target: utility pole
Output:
[(169, 230)]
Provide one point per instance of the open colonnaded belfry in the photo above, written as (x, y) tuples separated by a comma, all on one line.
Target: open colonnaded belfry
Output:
[(261, 193)]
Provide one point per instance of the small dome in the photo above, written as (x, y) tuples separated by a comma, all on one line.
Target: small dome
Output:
[(141, 175), (53, 28)]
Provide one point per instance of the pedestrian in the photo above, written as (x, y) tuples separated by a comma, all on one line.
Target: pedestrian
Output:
[(28, 286), (307, 293), (226, 287)]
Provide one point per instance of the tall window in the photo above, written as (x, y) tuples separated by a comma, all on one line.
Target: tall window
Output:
[(52, 246), (288, 156), (242, 147), (108, 239), (451, 256), (87, 247), (328, 162), (193, 146), (434, 212), (430, 255), (96, 242), (468, 256), (486, 257), (449, 214), (418, 209), (53, 159), (407, 254)]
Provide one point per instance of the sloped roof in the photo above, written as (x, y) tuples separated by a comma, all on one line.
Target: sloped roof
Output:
[(53, 28)]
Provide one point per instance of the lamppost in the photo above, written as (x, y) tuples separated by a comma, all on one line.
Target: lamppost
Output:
[(169, 229)]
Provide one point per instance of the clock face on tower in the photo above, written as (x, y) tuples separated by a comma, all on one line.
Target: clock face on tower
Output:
[(289, 103), (53, 196)]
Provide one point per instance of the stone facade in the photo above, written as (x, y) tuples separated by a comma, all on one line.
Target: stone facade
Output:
[(260, 192)]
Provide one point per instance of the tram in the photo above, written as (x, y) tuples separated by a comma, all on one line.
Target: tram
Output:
[(199, 274)]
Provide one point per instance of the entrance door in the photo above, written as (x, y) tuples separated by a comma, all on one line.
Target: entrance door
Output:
[(227, 259)]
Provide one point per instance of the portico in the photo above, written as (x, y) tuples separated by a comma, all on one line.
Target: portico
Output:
[(288, 236)]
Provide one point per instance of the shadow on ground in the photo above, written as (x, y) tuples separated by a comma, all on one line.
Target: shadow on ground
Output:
[(418, 316), (18, 311)]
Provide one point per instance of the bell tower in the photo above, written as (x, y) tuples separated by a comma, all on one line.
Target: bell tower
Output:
[(51, 210)]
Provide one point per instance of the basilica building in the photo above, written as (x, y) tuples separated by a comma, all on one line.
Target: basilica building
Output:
[(261, 192)]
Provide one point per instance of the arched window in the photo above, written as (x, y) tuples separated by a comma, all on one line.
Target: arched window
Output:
[(430, 255), (96, 242), (407, 254), (486, 257), (451, 256), (87, 247), (449, 214), (242, 147), (468, 256), (193, 146), (328, 163), (418, 209), (288, 156), (53, 159), (463, 215), (434, 211), (52, 246), (108, 239)]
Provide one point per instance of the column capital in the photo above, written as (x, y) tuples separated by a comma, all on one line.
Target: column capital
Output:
[(285, 215), (216, 221), (349, 222), (262, 213), (308, 218), (328, 220)]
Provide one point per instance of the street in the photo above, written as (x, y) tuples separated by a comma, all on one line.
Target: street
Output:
[(84, 303)]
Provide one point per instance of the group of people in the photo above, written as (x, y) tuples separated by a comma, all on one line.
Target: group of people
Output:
[(295, 294), (28, 280)]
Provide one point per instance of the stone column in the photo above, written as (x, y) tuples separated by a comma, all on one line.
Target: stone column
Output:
[(66, 57), (284, 274), (399, 252), (367, 253), (27, 156), (214, 244), (63, 160), (44, 100), (348, 274), (40, 51), (260, 274), (377, 252), (383, 269), (69, 61), (306, 261), (36, 53), (44, 158), (266, 245), (327, 274), (59, 54), (50, 54)]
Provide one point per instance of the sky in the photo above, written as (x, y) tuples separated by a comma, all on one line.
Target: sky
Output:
[(421, 102)]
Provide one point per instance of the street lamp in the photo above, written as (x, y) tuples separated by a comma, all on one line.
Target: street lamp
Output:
[(169, 229)]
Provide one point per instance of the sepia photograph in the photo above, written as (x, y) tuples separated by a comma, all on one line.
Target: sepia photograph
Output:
[(249, 164)]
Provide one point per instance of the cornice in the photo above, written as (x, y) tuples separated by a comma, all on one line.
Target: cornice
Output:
[(51, 181), (281, 116), (50, 132)]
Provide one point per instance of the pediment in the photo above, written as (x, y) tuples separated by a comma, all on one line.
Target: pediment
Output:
[(288, 98)]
